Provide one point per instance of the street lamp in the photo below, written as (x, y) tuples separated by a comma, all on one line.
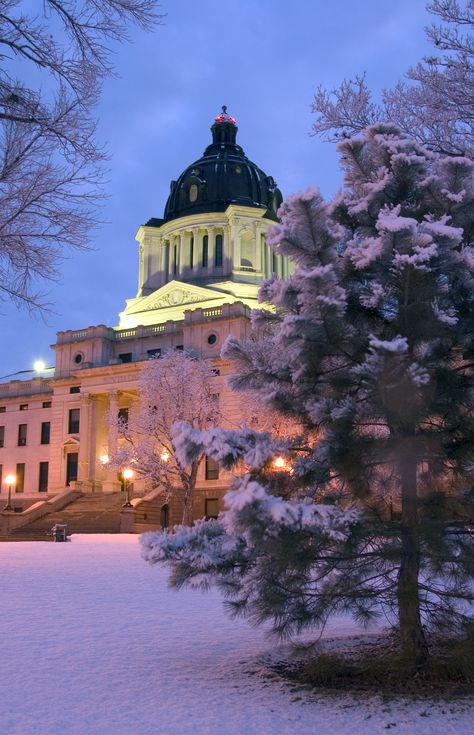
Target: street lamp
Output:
[(127, 475), (10, 481)]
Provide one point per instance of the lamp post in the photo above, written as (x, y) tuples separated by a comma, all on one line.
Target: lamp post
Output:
[(127, 475), (10, 481)]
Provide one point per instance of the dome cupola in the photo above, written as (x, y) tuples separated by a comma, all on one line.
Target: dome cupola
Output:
[(224, 175)]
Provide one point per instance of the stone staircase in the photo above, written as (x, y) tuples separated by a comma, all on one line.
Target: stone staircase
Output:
[(96, 513)]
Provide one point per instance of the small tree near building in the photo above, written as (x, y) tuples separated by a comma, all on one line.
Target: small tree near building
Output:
[(173, 389), (371, 351)]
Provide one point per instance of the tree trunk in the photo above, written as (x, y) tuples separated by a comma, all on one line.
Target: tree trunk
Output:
[(413, 642), (187, 508)]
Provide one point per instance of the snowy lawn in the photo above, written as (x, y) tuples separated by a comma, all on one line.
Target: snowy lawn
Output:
[(93, 643)]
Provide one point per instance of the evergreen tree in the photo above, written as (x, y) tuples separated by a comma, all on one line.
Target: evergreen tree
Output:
[(371, 352)]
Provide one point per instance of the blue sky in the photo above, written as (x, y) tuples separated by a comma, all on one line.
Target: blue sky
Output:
[(264, 59)]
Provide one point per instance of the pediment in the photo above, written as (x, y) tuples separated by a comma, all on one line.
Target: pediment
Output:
[(71, 442), (173, 294)]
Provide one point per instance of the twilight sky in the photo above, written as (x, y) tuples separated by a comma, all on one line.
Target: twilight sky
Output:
[(264, 59)]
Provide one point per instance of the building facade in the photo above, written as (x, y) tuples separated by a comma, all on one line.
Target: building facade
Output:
[(200, 267)]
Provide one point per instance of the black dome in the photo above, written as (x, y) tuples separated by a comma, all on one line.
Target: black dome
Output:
[(223, 176)]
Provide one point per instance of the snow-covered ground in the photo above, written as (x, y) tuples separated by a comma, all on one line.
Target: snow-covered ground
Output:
[(93, 643)]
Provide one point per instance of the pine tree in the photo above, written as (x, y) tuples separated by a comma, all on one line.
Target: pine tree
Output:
[(371, 352)]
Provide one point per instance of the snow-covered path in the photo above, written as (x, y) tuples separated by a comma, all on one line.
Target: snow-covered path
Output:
[(93, 643)]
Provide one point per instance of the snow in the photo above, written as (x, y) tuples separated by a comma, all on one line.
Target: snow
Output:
[(93, 643)]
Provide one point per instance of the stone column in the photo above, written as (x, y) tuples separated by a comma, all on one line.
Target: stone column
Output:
[(211, 232), (198, 248), (111, 484), (85, 423)]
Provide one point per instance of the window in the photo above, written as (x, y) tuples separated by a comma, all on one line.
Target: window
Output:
[(3, 409), (74, 389), (45, 432), (20, 477), (212, 339), (247, 251), (1, 477), (78, 358), (74, 417), (218, 255), (180, 348), (175, 259), (71, 467), (191, 252), (2, 436), (23, 407), (154, 353), (123, 415), (43, 477), (164, 516), (216, 371), (212, 507), (46, 404), (22, 430), (205, 250), (212, 469), (125, 357)]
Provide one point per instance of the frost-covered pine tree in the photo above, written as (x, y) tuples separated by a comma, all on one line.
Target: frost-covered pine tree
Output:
[(172, 389), (371, 351)]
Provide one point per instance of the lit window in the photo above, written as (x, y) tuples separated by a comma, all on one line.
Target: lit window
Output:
[(46, 404), (23, 407), (212, 507), (212, 469), (20, 477)]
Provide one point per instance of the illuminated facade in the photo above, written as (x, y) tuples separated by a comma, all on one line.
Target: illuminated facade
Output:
[(200, 268)]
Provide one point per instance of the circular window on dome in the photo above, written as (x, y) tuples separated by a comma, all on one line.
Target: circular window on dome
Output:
[(78, 358), (238, 169), (212, 339), (193, 192)]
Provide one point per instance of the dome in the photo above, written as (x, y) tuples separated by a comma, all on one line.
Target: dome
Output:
[(224, 175)]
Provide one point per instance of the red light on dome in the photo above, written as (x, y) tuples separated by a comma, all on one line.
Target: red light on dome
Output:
[(225, 118)]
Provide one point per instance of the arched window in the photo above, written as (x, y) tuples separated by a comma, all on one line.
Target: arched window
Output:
[(218, 256), (247, 251)]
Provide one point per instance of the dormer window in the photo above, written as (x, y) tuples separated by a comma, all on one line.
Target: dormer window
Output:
[(193, 192)]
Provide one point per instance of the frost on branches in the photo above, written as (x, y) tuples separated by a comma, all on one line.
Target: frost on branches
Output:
[(371, 352), (173, 389), (435, 104)]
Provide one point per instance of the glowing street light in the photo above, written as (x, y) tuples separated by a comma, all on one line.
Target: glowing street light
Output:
[(10, 480), (104, 458), (39, 366), (127, 475), (165, 456), (279, 463)]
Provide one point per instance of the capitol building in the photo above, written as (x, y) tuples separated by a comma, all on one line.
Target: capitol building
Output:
[(199, 270)]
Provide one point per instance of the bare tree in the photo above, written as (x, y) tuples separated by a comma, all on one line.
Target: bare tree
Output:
[(173, 389), (435, 104), (50, 161)]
